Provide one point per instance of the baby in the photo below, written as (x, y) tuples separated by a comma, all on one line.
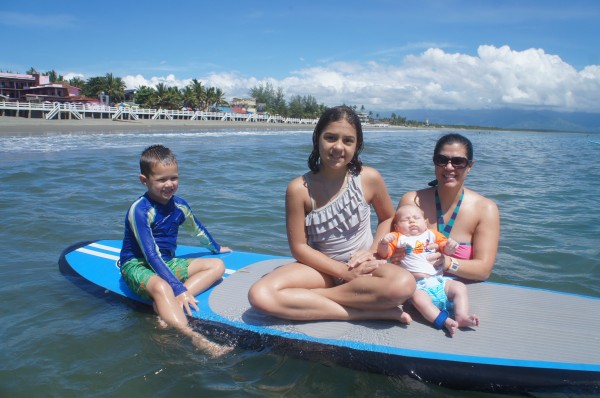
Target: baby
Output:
[(436, 295)]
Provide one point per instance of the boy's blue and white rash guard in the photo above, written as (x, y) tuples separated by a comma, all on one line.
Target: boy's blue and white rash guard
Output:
[(151, 233)]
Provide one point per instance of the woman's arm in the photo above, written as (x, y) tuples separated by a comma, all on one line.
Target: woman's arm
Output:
[(485, 244)]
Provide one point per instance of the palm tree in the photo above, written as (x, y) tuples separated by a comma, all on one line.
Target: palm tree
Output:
[(166, 97), (144, 96), (199, 94), (187, 97), (214, 96), (94, 87), (77, 82), (114, 87)]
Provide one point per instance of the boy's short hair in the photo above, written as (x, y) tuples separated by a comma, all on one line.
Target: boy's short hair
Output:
[(154, 155)]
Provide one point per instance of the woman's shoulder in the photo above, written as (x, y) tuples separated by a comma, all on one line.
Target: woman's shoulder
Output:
[(481, 204), (418, 197)]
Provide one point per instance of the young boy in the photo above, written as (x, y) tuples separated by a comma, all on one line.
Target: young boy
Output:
[(148, 262), (436, 295)]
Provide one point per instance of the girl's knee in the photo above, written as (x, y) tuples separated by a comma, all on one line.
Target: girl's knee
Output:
[(400, 288), (260, 295)]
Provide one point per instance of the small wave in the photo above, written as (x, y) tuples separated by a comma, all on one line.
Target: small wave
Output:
[(104, 140)]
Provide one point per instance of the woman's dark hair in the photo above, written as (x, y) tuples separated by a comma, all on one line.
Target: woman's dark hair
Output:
[(454, 138), (335, 115), (449, 139)]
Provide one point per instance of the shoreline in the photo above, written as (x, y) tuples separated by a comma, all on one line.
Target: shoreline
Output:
[(10, 125)]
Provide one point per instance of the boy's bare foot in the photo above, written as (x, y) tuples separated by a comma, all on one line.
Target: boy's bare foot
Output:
[(213, 349), (161, 323)]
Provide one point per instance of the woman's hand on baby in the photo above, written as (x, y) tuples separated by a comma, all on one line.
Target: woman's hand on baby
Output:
[(398, 256), (436, 259)]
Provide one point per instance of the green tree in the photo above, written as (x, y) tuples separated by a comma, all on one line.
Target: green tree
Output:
[(114, 87), (77, 82), (279, 105), (296, 107), (214, 97), (53, 76), (274, 100), (166, 97), (187, 97), (94, 87), (311, 108), (144, 96), (198, 94)]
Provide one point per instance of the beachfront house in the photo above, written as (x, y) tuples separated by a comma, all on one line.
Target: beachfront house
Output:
[(36, 88)]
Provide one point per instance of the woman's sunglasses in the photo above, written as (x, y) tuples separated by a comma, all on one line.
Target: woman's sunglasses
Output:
[(458, 162)]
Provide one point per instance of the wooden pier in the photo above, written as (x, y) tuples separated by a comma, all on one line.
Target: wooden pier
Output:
[(59, 111)]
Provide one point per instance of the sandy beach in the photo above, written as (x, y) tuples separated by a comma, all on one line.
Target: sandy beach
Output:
[(10, 125)]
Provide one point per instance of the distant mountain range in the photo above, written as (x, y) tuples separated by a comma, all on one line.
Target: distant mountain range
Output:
[(509, 119)]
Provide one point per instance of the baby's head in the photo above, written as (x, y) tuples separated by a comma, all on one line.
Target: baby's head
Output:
[(409, 220)]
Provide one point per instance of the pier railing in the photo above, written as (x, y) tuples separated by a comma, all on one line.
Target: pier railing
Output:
[(56, 110)]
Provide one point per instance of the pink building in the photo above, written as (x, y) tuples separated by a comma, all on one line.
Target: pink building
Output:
[(36, 87)]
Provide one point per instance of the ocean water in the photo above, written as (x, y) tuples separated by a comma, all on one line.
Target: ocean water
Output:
[(60, 341)]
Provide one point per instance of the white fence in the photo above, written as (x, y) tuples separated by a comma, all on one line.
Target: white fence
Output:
[(58, 110)]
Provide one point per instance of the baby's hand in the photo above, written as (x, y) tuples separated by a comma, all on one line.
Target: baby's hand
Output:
[(388, 238), (451, 246), (225, 249)]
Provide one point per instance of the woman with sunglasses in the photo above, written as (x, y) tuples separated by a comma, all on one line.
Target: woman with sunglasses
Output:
[(458, 212)]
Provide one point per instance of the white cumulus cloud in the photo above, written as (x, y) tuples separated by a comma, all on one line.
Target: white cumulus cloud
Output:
[(497, 77)]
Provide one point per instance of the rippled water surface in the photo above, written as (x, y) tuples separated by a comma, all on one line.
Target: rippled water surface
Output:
[(59, 189)]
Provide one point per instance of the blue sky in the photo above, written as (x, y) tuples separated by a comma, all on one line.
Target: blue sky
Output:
[(383, 54)]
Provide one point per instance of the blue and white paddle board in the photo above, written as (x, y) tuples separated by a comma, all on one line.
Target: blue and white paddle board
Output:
[(529, 339)]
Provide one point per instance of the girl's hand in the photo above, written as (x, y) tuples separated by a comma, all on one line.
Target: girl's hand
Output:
[(364, 269), (360, 257)]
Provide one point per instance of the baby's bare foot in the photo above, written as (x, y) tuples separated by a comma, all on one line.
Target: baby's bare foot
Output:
[(451, 326), (470, 320)]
